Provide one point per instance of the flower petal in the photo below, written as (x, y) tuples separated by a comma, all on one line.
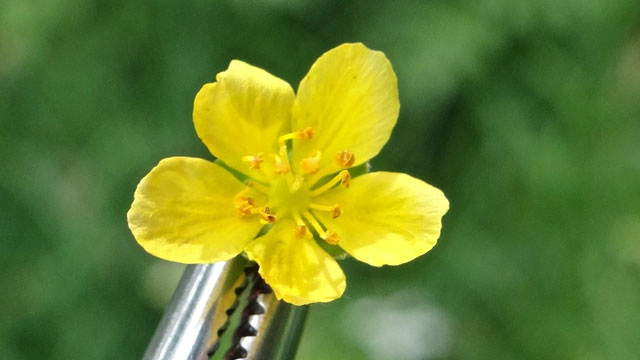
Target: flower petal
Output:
[(183, 211), (298, 270), (350, 98), (242, 114), (399, 222)]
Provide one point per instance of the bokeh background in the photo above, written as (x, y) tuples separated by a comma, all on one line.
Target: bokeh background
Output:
[(526, 113)]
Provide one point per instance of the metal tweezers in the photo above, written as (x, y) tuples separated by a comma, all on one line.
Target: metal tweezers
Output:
[(205, 300)]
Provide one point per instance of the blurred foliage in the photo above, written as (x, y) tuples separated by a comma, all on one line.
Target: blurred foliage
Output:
[(524, 112)]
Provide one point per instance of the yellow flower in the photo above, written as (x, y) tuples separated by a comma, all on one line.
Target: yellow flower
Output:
[(297, 150)]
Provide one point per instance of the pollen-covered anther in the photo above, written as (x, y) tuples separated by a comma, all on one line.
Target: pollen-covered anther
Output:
[(254, 161), (311, 165), (335, 211), (244, 205), (345, 178), (331, 237), (266, 215), (304, 134), (300, 232), (345, 158)]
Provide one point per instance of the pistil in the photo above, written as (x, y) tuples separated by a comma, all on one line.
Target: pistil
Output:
[(296, 184)]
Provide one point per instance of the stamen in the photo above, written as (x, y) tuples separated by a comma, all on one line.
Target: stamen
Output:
[(282, 161), (310, 165), (345, 158), (334, 210), (243, 203), (331, 238), (314, 223), (245, 207), (304, 134), (344, 178), (280, 166), (254, 161), (300, 232), (266, 216)]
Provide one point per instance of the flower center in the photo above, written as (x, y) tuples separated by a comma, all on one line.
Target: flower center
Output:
[(286, 199), (288, 195)]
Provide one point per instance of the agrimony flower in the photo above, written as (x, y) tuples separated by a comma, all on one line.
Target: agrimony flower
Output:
[(298, 151)]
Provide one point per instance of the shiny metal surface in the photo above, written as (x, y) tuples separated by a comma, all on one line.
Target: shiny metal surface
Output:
[(278, 330), (269, 329), (189, 327)]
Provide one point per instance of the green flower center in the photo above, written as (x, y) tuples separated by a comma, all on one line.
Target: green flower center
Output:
[(286, 199)]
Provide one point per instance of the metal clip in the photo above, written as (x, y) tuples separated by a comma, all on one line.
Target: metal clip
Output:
[(200, 309)]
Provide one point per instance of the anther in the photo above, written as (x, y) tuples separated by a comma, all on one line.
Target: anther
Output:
[(243, 203), (331, 237), (266, 216), (300, 232), (254, 161), (244, 206), (345, 158), (345, 178), (311, 165), (335, 211), (304, 134)]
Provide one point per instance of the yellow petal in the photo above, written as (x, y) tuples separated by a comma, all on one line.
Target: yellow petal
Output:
[(399, 222), (298, 270), (183, 211), (350, 99), (242, 114)]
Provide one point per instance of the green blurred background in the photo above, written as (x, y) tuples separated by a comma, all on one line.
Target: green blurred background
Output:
[(526, 113)]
